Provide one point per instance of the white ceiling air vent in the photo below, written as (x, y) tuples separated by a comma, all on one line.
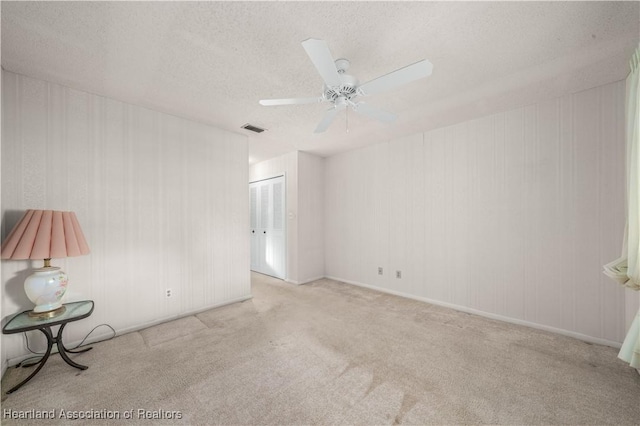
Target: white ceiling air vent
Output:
[(253, 128)]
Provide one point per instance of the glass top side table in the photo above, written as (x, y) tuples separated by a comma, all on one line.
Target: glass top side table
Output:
[(22, 322)]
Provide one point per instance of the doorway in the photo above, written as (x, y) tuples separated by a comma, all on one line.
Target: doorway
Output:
[(268, 236)]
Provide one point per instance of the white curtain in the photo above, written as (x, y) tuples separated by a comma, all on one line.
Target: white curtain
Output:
[(626, 269)]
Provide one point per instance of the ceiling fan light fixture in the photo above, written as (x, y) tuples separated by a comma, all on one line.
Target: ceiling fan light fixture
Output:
[(341, 102)]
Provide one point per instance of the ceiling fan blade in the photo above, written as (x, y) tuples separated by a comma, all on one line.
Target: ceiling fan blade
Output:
[(292, 101), (378, 114), (326, 121), (397, 78), (320, 55)]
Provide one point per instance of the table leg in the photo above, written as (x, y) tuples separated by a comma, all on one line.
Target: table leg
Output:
[(47, 333), (63, 351)]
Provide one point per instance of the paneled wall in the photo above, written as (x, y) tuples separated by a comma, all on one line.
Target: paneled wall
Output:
[(510, 215), (162, 201), (3, 349), (310, 217)]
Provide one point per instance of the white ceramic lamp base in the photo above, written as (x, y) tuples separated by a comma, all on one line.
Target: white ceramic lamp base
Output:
[(45, 287)]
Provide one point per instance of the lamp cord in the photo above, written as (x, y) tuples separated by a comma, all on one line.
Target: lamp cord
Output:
[(40, 354)]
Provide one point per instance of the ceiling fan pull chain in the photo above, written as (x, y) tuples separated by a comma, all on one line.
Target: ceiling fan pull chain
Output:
[(347, 118)]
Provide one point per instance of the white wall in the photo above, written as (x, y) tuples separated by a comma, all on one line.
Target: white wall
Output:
[(510, 215), (3, 351), (162, 201), (304, 198), (310, 217)]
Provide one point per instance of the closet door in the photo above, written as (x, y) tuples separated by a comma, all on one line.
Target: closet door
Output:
[(275, 232), (268, 227), (255, 243)]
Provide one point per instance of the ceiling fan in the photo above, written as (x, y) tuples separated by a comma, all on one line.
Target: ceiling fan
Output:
[(341, 89)]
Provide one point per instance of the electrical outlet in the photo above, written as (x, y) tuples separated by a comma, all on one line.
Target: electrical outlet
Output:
[(169, 292), (379, 270), (398, 274)]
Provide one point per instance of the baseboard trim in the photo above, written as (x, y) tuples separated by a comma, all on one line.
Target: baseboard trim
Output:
[(310, 280), (182, 315), (98, 337), (489, 315), (307, 280)]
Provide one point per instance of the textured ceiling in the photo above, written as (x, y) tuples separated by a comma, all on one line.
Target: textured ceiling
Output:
[(213, 61)]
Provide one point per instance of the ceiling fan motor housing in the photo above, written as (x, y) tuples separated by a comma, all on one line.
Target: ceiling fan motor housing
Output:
[(347, 89)]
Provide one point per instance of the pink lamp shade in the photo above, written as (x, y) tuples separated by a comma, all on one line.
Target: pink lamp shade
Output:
[(45, 234)]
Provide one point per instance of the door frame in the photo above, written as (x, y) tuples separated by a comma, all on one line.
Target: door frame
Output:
[(283, 175)]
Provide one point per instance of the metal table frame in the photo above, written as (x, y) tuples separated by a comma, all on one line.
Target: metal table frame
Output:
[(22, 322)]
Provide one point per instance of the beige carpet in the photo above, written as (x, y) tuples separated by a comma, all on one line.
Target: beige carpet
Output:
[(331, 353)]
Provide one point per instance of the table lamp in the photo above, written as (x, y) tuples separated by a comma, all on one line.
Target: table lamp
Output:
[(45, 234)]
